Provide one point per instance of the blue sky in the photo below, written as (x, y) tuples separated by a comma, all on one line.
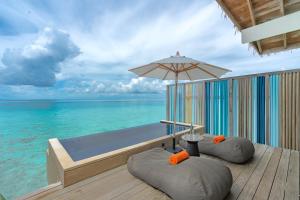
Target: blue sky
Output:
[(83, 49)]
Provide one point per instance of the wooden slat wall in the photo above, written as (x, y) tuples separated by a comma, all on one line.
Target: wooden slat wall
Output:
[(297, 97), (290, 117), (249, 108), (247, 119), (188, 103), (245, 108), (241, 108)]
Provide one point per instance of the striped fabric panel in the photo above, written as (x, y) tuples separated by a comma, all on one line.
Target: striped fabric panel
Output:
[(235, 111), (171, 106), (254, 109), (207, 106), (212, 107), (290, 110), (215, 113), (261, 109), (226, 108), (223, 107), (181, 105), (188, 98), (253, 113), (217, 107), (194, 105), (274, 110), (179, 114), (197, 101)]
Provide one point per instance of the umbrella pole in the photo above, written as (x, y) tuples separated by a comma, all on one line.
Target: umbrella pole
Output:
[(175, 106)]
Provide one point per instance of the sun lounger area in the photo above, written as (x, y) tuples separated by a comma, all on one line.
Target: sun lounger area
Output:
[(273, 173)]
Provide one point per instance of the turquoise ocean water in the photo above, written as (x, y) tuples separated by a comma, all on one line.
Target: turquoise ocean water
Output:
[(26, 126)]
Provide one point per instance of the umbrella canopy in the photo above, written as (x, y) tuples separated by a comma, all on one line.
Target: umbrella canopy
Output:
[(185, 68), (179, 68)]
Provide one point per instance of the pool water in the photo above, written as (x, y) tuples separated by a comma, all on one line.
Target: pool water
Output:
[(91, 145), (26, 126)]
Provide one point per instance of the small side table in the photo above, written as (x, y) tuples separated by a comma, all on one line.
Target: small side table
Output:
[(192, 143)]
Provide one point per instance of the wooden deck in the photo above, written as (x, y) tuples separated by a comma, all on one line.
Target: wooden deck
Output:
[(273, 173)]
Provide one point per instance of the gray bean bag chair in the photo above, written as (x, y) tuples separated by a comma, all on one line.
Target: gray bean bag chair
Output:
[(233, 149), (193, 179)]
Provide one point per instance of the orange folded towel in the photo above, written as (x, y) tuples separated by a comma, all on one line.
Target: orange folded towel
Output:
[(174, 159), (218, 139)]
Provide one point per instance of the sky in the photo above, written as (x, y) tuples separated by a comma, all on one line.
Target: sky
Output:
[(83, 49)]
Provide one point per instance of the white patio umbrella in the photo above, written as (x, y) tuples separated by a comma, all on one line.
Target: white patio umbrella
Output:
[(179, 68)]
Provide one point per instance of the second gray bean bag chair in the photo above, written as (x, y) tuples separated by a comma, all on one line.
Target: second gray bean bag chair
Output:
[(233, 149), (193, 179)]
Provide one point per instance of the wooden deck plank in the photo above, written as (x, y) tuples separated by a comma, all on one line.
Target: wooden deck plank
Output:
[(250, 188), (121, 189), (43, 192), (149, 193), (274, 171), (86, 182), (132, 192), (120, 182), (241, 181), (277, 191), (266, 182), (292, 185)]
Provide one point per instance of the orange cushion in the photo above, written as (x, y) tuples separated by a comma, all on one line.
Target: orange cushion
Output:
[(218, 139), (174, 159)]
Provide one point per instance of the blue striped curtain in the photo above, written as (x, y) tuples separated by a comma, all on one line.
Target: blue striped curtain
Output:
[(215, 111), (261, 109), (207, 106), (180, 115), (179, 104), (235, 110), (217, 107), (254, 109), (274, 110)]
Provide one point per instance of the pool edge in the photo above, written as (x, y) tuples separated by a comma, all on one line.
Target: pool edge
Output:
[(61, 167)]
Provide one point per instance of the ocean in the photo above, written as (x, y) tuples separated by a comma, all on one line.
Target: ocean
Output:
[(26, 126)]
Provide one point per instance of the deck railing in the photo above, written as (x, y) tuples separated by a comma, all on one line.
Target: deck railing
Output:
[(264, 108)]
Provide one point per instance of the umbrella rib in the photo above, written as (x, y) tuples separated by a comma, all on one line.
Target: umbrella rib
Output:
[(149, 71), (188, 75), (189, 68), (204, 70), (149, 64), (166, 75), (182, 65), (165, 67), (173, 67)]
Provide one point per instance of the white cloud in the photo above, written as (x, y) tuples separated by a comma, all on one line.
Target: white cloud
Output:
[(189, 29), (38, 63), (115, 36), (135, 85)]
